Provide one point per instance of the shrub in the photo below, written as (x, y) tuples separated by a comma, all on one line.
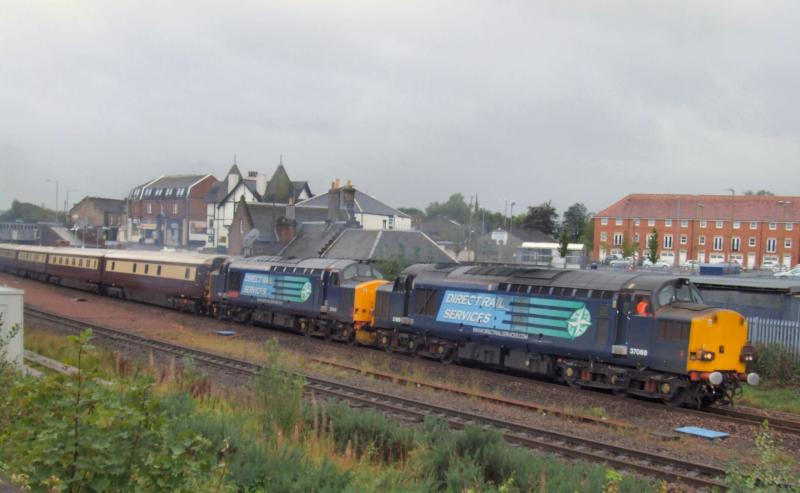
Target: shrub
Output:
[(278, 393), (776, 364), (772, 471)]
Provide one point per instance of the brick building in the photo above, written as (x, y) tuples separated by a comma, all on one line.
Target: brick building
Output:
[(100, 216), (710, 228), (170, 210)]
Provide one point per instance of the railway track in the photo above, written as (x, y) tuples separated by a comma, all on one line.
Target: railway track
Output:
[(409, 410)]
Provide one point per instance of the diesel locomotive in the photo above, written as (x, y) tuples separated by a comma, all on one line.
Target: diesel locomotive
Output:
[(629, 333)]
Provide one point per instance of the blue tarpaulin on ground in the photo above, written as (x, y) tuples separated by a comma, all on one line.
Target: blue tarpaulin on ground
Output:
[(702, 432)]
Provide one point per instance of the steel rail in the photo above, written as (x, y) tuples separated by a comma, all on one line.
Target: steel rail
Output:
[(647, 463)]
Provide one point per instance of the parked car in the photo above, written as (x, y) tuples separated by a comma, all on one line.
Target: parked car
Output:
[(621, 262), (691, 265), (789, 274), (611, 257), (772, 265), (659, 264)]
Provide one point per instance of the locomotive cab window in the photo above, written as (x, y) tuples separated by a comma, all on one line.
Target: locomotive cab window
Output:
[(679, 291)]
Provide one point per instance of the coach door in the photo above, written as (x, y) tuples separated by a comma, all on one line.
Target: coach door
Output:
[(620, 346)]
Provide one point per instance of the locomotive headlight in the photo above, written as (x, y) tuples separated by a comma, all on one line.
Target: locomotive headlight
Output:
[(748, 354), (707, 355)]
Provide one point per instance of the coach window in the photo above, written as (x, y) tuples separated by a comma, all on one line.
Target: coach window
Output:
[(80, 262), (158, 270), (146, 268), (73, 261), (113, 265), (186, 273), (134, 268)]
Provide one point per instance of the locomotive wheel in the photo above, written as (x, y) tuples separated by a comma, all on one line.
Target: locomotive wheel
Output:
[(448, 356), (676, 399), (386, 343)]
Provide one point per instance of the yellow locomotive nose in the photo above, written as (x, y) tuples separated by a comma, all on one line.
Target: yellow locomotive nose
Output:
[(717, 346)]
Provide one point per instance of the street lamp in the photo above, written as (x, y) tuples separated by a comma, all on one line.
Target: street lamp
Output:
[(698, 219), (56, 207), (783, 204), (511, 221), (733, 205), (66, 204)]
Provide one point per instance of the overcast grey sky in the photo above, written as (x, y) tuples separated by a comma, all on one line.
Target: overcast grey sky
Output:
[(525, 101)]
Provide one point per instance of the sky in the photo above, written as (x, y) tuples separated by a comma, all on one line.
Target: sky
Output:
[(524, 101)]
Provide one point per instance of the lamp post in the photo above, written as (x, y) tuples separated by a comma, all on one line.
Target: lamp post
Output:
[(56, 207), (698, 219), (733, 205), (783, 204), (511, 220), (66, 205)]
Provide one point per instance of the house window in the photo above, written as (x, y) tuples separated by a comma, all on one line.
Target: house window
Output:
[(789, 226), (703, 223), (159, 192), (636, 221), (149, 208), (719, 224), (617, 239), (241, 226), (737, 224), (168, 193), (651, 222), (175, 208), (603, 236), (391, 222), (718, 243), (772, 245), (701, 240), (773, 226), (180, 192), (684, 239), (604, 221), (787, 243), (751, 241), (148, 192), (736, 244), (636, 237), (684, 223), (753, 225), (668, 241), (618, 221), (668, 222)]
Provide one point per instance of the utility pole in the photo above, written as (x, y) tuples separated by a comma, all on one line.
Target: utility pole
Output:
[(511, 220)]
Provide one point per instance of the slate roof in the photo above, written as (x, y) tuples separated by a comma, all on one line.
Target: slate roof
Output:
[(364, 204), (175, 181), (114, 206), (311, 239), (715, 207), (279, 188), (359, 244)]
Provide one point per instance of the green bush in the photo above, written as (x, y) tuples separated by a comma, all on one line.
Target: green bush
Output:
[(772, 472), (369, 433), (279, 393), (776, 364), (71, 433)]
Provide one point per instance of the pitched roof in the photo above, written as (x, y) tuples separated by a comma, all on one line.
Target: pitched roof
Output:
[(710, 207), (234, 171), (280, 188), (359, 244), (114, 206), (364, 204), (175, 181)]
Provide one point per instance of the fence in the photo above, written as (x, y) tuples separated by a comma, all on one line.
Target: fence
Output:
[(784, 332)]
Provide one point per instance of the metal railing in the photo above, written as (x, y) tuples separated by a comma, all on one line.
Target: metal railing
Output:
[(783, 332)]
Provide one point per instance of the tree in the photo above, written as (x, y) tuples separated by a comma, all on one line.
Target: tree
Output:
[(652, 246), (563, 245), (587, 238), (542, 217), (455, 208), (29, 213), (416, 215), (627, 247), (575, 221), (759, 193)]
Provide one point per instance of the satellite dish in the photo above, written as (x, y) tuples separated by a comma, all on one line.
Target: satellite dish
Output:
[(250, 237)]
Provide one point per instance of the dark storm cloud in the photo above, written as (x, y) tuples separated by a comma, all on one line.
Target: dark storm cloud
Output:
[(412, 101)]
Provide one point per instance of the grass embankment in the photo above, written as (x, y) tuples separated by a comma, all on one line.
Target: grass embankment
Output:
[(780, 374), (156, 430)]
